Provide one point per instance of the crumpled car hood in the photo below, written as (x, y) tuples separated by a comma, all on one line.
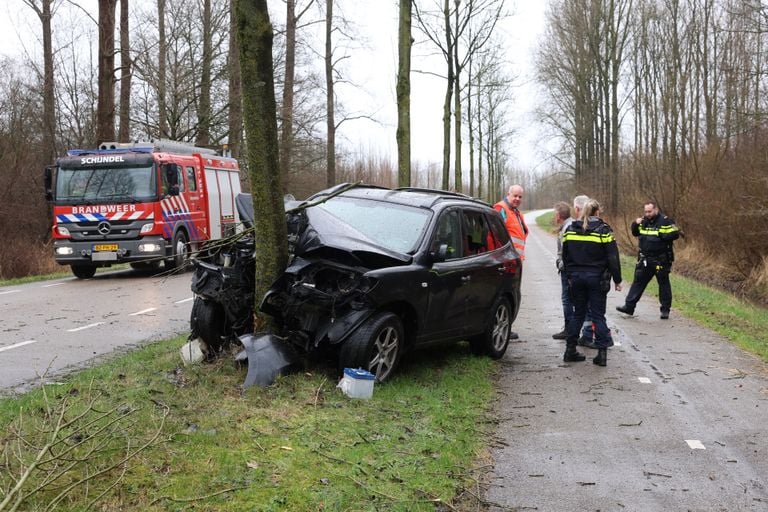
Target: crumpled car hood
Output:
[(325, 236)]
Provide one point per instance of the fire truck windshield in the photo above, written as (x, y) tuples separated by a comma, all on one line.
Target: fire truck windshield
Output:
[(105, 185)]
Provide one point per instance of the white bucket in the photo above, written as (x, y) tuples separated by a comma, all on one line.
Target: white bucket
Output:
[(357, 383)]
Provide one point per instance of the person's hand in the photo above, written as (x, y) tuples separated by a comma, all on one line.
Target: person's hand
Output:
[(618, 287), (639, 220)]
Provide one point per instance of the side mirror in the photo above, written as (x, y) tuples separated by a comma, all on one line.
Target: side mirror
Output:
[(48, 174), (172, 178), (441, 253)]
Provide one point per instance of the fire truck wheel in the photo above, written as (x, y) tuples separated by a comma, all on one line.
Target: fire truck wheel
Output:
[(180, 251), (84, 271)]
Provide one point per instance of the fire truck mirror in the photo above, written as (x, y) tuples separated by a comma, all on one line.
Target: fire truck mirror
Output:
[(48, 183), (172, 179)]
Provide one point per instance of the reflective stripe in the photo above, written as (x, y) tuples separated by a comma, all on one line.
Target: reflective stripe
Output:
[(570, 236), (517, 241), (649, 232), (668, 229)]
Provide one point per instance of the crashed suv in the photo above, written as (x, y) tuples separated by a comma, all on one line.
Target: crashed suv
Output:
[(375, 273)]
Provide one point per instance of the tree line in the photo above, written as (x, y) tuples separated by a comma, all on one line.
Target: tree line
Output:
[(665, 100)]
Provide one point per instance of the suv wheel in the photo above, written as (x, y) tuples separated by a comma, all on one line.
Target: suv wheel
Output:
[(494, 340), (375, 346), (209, 324)]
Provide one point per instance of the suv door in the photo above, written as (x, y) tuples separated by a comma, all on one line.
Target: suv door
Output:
[(483, 266), (448, 284)]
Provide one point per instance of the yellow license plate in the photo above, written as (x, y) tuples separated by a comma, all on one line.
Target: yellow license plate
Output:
[(105, 247)]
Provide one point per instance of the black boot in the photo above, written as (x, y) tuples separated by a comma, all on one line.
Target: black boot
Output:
[(572, 355), (601, 359)]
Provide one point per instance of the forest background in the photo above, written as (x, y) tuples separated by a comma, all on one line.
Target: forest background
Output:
[(638, 100)]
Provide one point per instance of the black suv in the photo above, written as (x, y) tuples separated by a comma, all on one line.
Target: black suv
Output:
[(376, 272)]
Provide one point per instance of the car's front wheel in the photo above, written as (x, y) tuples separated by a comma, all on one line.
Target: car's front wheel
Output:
[(208, 322), (495, 339), (376, 346)]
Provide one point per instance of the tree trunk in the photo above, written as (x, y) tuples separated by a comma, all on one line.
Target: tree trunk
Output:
[(404, 96), (448, 93), (204, 105), (162, 53), (235, 85), (331, 121), (125, 75), (255, 38), (105, 107)]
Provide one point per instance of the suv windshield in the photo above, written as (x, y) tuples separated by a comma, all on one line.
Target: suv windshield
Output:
[(392, 226), (106, 185)]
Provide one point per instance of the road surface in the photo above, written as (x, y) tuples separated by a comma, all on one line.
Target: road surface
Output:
[(50, 327), (677, 421)]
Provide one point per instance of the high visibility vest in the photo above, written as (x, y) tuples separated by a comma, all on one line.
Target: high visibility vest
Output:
[(515, 224)]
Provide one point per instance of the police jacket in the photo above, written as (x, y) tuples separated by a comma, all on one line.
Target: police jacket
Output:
[(515, 224), (593, 250), (656, 236)]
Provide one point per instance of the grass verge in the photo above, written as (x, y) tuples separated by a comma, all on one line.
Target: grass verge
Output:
[(147, 434), (56, 275), (743, 323)]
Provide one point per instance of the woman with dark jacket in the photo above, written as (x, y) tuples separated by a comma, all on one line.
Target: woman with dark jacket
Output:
[(591, 260)]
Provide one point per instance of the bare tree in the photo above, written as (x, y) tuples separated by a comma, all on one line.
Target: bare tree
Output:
[(204, 102), (235, 132), (125, 75), (404, 95), (329, 96), (105, 109), (162, 55), (44, 12)]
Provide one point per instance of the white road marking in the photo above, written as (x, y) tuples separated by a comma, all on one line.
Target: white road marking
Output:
[(644, 380), (52, 285), (9, 291), (142, 311), (182, 301), (85, 327), (695, 444), (17, 345)]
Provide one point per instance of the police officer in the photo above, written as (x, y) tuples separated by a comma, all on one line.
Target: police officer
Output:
[(656, 232), (591, 260)]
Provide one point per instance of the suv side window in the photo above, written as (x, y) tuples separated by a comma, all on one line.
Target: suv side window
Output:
[(477, 233), (499, 230), (449, 232)]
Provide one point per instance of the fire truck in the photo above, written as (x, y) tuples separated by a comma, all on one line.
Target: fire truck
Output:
[(139, 203)]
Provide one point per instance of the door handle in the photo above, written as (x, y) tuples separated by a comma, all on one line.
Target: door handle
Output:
[(466, 279), (500, 270)]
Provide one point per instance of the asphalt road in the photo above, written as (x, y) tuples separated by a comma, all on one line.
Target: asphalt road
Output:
[(50, 327), (678, 420)]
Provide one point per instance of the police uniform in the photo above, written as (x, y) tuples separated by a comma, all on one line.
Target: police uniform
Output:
[(655, 259), (591, 260)]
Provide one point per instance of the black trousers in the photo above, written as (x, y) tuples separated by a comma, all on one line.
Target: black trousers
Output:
[(645, 269)]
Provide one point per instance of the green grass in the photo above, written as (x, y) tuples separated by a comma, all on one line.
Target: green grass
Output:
[(56, 275), (743, 323), (297, 445), (546, 222)]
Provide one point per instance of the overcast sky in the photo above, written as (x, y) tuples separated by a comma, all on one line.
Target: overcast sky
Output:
[(373, 67)]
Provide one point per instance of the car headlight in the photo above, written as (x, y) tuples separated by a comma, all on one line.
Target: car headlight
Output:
[(64, 251), (146, 228), (62, 230)]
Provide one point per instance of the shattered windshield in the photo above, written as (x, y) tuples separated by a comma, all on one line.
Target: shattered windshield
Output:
[(395, 227), (106, 185)]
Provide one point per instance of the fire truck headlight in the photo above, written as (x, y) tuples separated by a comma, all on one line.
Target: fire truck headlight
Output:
[(62, 230), (149, 247), (146, 228), (64, 251)]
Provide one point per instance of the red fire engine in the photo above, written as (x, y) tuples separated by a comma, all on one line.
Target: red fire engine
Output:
[(139, 203)]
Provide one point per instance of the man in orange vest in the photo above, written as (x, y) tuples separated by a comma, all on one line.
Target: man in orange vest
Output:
[(508, 208), (513, 219)]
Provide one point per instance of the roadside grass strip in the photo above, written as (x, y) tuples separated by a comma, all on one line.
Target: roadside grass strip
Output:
[(141, 432)]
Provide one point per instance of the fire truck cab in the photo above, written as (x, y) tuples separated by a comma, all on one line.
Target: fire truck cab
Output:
[(139, 203)]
